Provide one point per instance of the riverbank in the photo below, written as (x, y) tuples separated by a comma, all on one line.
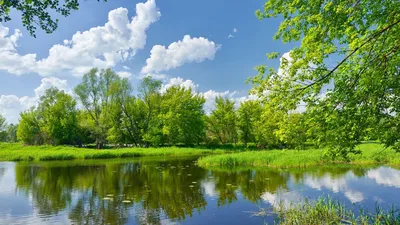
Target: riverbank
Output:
[(17, 152), (371, 154)]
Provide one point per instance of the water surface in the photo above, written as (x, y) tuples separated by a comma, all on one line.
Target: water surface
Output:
[(176, 191)]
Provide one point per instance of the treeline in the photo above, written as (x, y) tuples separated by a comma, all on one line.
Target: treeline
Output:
[(104, 110)]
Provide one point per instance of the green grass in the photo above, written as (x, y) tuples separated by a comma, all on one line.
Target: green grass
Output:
[(17, 152), (328, 211), (372, 153)]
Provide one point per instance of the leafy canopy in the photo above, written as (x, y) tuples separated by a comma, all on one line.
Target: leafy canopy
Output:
[(352, 45), (38, 12)]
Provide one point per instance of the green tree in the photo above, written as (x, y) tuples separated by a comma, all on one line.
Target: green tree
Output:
[(3, 126), (58, 117), (249, 113), (183, 116), (29, 128), (127, 114), (221, 124), (363, 37), (95, 96), (38, 12), (292, 130), (12, 133), (267, 126), (149, 91)]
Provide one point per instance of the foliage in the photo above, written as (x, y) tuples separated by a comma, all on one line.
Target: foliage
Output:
[(221, 124), (95, 96), (363, 37), (29, 128), (38, 12), (182, 114), (58, 122), (249, 115)]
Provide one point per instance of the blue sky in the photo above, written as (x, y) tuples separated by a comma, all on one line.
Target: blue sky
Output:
[(209, 59)]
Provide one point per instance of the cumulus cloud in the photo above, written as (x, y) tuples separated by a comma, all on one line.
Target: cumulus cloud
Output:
[(102, 46), (177, 81), (235, 30), (179, 53), (11, 105), (230, 36)]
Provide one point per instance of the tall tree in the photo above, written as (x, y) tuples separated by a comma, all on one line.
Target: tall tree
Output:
[(249, 113), (38, 12), (3, 126), (58, 117), (29, 128), (127, 114), (363, 36), (221, 124), (149, 91), (12, 133), (94, 94), (183, 116)]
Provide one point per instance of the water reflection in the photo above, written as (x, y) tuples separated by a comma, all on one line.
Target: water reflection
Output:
[(169, 190)]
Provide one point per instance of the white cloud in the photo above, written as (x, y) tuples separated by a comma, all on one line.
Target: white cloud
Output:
[(102, 46), (124, 74), (230, 36), (177, 81), (126, 68), (157, 76), (179, 53), (235, 30), (11, 105)]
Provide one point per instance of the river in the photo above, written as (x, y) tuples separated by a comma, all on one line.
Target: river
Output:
[(176, 191)]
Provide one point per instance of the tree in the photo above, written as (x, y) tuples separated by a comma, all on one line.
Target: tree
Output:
[(149, 91), (38, 12), (127, 114), (267, 126), (12, 133), (95, 96), (183, 116), (292, 130), (29, 128), (58, 117), (221, 124), (363, 37), (3, 126), (249, 113)]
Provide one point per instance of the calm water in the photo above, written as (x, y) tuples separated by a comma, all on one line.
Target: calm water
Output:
[(175, 191)]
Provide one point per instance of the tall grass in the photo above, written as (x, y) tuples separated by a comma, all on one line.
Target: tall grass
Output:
[(17, 152), (328, 211), (372, 153)]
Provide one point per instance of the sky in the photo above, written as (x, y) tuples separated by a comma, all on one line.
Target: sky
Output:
[(212, 46)]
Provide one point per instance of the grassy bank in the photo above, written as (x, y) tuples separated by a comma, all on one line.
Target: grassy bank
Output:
[(17, 152), (327, 211), (371, 154)]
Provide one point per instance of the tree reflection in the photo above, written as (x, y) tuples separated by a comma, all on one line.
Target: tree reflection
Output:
[(108, 193), (147, 191)]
